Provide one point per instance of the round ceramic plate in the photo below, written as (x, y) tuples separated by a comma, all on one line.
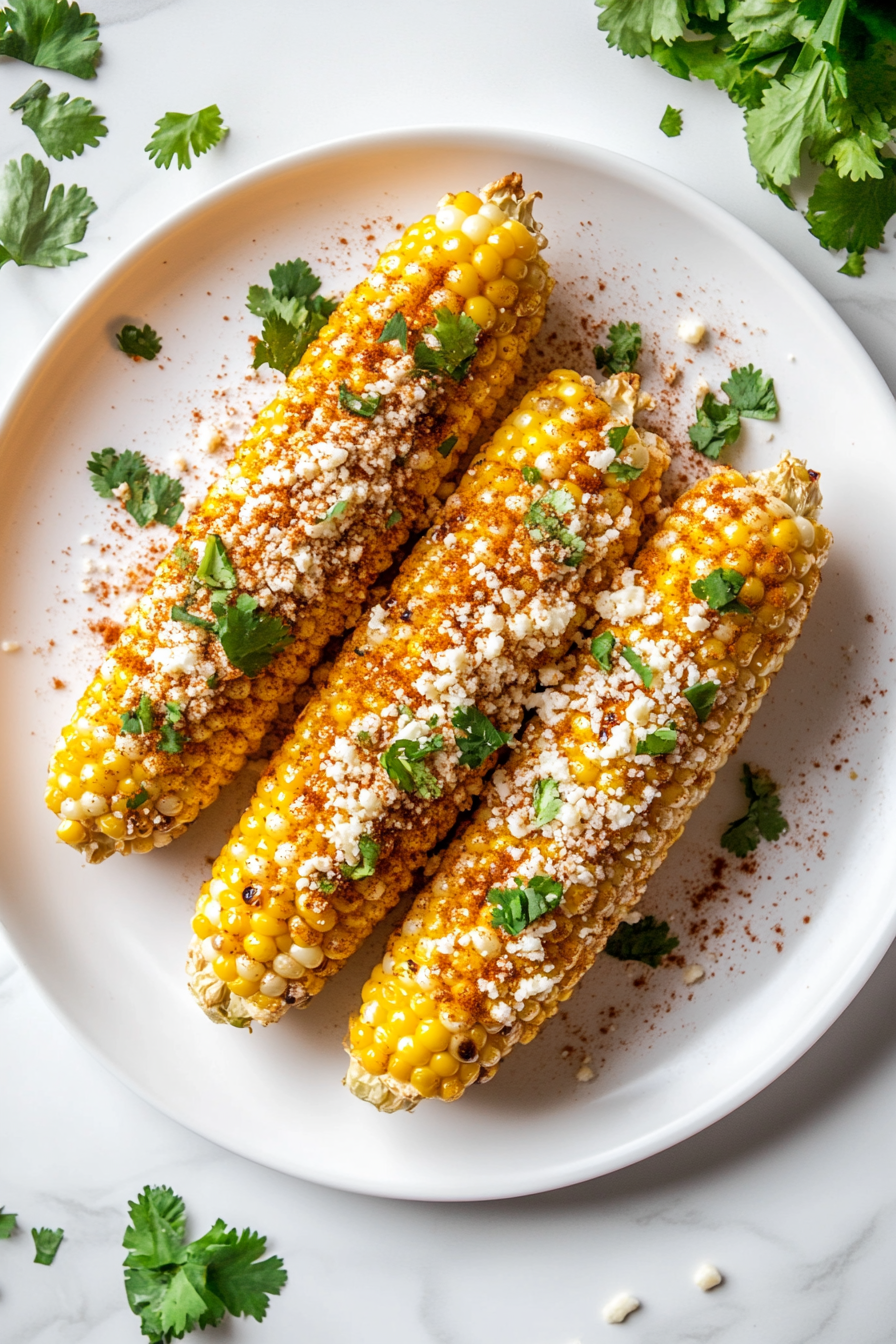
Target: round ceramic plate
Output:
[(640, 1058)]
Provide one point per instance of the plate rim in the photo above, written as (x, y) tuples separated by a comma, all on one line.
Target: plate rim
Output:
[(555, 1174)]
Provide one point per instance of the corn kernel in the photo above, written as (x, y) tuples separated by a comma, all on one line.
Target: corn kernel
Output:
[(224, 968), (483, 313), (487, 262), (785, 534), (260, 947), (444, 1064), (463, 280), (433, 1035), (425, 1081)]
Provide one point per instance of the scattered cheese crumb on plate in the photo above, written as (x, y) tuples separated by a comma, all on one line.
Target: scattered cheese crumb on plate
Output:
[(10, 646), (620, 1306), (691, 974), (707, 1277), (691, 330)]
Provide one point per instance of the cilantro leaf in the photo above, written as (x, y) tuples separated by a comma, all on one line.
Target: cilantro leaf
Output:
[(602, 648), (646, 941), (624, 471), (751, 393), (216, 568), (671, 124), (531, 475), (155, 1233), (621, 355), (52, 34), (853, 215), (446, 445), (163, 504), (718, 425), (518, 906), (701, 698), (658, 743), (294, 313), (34, 230), (140, 721), (151, 497), (403, 763), (63, 126), (358, 404), (7, 1224), (793, 111), (281, 344), (543, 519), (616, 437), (181, 614), (394, 518), (719, 591), (171, 741), (635, 25), (46, 1243), (853, 265), (177, 133), (455, 335), (235, 1276), (762, 820), (249, 637), (480, 736), (396, 329), (336, 511), (138, 799), (142, 342), (635, 662), (546, 801), (370, 852)]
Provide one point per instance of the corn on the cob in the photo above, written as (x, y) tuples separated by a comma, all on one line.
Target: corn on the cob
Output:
[(376, 771), (516, 913), (336, 472)]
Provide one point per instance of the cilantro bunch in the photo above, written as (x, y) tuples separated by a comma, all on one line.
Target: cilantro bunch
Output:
[(175, 1286), (813, 76)]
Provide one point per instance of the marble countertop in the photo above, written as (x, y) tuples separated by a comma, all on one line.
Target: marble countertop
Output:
[(793, 1196)]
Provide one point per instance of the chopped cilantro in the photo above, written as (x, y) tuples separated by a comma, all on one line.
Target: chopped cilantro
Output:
[(658, 743), (293, 312), (63, 126), (519, 906), (175, 1287), (46, 1243), (334, 511), (616, 437), (140, 721), (396, 329), (394, 517), (455, 349), (171, 741), (762, 820), (370, 852), (142, 342), (35, 231), (363, 737), (719, 591), (249, 637), (546, 801), (215, 568), (624, 471), (531, 475), (7, 1224), (177, 133), (151, 497), (701, 698), (358, 405), (621, 355), (181, 614), (325, 885), (138, 799), (602, 648), (635, 662), (670, 125), (646, 941), (544, 520), (476, 736), (403, 763), (405, 712), (718, 426), (212, 681), (51, 34), (752, 393), (447, 445)]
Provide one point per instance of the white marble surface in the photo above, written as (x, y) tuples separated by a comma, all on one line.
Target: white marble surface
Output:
[(794, 1196)]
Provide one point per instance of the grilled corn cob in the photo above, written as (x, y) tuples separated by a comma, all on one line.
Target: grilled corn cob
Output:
[(627, 746), (335, 473), (383, 760)]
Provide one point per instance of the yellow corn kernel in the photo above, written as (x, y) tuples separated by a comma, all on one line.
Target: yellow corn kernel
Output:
[(259, 946), (444, 1064), (425, 1081), (400, 1070), (243, 989), (433, 1035), (202, 927), (487, 262), (114, 827), (468, 201), (481, 311), (71, 832), (266, 922), (224, 967), (785, 534)]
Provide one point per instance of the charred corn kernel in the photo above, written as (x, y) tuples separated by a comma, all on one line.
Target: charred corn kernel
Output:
[(98, 768), (492, 978), (479, 539)]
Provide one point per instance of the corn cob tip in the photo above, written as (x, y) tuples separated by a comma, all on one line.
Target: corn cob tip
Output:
[(793, 482), (364, 1086), (507, 193)]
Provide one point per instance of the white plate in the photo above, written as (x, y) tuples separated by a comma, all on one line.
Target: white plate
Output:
[(107, 944)]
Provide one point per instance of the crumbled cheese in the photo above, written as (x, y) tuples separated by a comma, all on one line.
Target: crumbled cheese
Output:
[(585, 1073), (10, 646), (627, 601), (691, 330), (622, 1305), (707, 1277), (691, 974), (695, 619)]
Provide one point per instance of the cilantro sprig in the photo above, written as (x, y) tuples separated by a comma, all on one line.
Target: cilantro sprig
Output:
[(179, 133), (762, 820), (150, 497), (175, 1286), (396, 329), (476, 736), (671, 123), (602, 649), (141, 342), (51, 34), (659, 742), (404, 763), (750, 395), (814, 79), (454, 345), (647, 941), (293, 312), (357, 404), (141, 720), (719, 591), (637, 664), (621, 355), (701, 698), (544, 519), (47, 1241), (370, 852), (63, 126), (546, 801), (36, 230), (516, 907), (8, 1223)]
